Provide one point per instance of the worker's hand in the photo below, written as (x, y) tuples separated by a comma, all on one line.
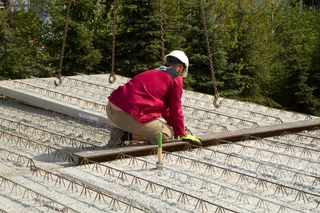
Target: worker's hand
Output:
[(192, 139)]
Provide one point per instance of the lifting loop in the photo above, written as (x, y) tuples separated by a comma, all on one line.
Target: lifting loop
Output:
[(59, 75), (112, 77), (216, 95)]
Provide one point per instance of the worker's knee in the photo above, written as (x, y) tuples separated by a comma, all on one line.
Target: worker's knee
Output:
[(167, 134), (154, 140)]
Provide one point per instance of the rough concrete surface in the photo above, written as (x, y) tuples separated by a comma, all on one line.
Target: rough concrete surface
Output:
[(38, 172)]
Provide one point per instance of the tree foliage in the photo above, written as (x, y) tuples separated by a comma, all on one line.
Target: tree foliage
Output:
[(200, 77), (138, 37), (20, 52), (81, 52), (294, 39), (265, 52)]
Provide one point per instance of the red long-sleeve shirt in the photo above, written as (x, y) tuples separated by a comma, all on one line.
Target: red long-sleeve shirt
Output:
[(152, 94)]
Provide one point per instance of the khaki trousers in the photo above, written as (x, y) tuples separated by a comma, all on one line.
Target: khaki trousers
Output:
[(129, 124)]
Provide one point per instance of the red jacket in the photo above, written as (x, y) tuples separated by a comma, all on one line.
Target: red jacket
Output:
[(152, 94)]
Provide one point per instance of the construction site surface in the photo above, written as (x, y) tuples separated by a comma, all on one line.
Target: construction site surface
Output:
[(54, 155)]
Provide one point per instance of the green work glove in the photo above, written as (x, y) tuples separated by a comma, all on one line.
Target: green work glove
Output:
[(192, 139)]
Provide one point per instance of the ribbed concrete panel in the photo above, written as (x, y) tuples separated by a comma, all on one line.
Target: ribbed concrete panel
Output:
[(39, 172), (70, 98), (86, 96)]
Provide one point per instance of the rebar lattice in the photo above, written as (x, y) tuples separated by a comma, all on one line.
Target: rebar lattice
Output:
[(27, 193), (261, 166), (36, 146), (89, 104), (43, 135), (158, 188), (11, 115), (85, 189), (151, 186), (17, 159)]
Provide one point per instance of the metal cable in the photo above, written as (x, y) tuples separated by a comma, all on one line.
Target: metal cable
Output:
[(216, 95)]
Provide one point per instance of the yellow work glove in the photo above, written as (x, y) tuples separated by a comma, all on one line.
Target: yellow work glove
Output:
[(191, 139)]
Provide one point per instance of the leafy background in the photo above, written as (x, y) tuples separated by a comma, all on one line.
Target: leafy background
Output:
[(263, 51)]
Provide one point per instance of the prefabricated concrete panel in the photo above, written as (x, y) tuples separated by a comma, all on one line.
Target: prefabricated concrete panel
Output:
[(54, 106)]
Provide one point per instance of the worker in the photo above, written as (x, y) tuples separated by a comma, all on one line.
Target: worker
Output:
[(137, 106)]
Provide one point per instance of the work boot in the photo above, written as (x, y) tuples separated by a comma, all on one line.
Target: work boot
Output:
[(115, 137)]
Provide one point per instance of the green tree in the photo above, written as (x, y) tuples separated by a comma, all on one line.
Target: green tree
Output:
[(138, 38), (243, 78), (200, 75), (105, 28), (314, 76), (80, 53), (175, 17), (8, 48), (21, 54), (295, 39)]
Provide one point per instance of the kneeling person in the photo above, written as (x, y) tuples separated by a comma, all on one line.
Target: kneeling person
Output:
[(136, 106)]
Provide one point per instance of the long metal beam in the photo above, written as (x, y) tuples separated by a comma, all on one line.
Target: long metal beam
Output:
[(232, 136)]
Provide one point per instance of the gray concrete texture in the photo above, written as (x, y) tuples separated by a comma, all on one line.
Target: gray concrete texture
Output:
[(43, 124)]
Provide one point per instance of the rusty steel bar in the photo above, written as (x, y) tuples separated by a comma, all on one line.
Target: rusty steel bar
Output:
[(207, 140), (85, 189), (69, 98), (11, 156), (42, 199), (44, 134), (30, 144), (150, 185)]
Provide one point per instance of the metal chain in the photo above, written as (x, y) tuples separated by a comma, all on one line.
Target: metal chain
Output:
[(112, 77), (161, 29), (59, 74), (216, 95)]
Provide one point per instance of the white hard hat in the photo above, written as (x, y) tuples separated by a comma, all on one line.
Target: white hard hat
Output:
[(182, 57)]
